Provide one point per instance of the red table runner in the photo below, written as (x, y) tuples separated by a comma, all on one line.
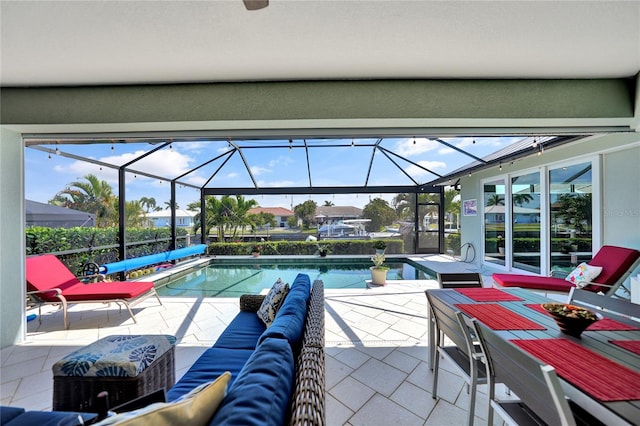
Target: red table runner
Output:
[(630, 345), (498, 317), (596, 375), (488, 295), (605, 324)]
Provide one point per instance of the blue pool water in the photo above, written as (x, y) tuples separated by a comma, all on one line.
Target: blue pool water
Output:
[(233, 280)]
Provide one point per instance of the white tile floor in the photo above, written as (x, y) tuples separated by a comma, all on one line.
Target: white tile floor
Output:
[(376, 347)]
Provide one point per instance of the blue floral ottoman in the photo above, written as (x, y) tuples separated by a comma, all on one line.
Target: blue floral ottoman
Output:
[(125, 366)]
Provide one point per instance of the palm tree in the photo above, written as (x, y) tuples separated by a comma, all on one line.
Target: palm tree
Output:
[(495, 200), (134, 214), (520, 199), (93, 196), (328, 203), (148, 204), (228, 214)]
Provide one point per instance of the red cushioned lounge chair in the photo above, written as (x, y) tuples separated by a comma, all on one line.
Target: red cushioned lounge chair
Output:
[(617, 264), (49, 281)]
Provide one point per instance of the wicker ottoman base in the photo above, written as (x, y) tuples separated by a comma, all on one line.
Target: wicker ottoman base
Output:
[(71, 393)]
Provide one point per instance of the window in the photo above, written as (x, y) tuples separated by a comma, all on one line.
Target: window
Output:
[(571, 221)]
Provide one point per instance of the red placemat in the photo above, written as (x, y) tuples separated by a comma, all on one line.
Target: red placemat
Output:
[(488, 295), (498, 317), (630, 345), (605, 324), (595, 374)]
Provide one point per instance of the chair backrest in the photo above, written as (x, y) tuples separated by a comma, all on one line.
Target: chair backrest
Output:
[(447, 322), (46, 272), (464, 279), (589, 299), (617, 264), (535, 383)]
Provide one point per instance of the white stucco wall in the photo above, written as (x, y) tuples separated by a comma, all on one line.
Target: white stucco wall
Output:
[(620, 176), (12, 243)]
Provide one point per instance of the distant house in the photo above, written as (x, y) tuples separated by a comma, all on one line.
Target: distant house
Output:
[(334, 214), (184, 218), (281, 214), (50, 216)]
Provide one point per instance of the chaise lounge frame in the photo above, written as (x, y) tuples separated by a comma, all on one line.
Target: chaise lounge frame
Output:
[(617, 263), (62, 288)]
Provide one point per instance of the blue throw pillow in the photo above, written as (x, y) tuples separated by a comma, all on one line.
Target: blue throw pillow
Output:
[(260, 395)]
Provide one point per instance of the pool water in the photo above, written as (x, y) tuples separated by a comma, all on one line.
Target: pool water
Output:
[(234, 280)]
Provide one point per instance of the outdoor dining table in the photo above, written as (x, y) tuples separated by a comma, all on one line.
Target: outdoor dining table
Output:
[(599, 371)]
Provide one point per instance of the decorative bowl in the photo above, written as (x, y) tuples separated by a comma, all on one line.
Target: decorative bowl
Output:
[(571, 319)]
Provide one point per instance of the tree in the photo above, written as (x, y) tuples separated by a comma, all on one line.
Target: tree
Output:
[(228, 214), (134, 214), (261, 219), (93, 196), (306, 212), (495, 200), (148, 204), (328, 203), (520, 199), (380, 213), (168, 205)]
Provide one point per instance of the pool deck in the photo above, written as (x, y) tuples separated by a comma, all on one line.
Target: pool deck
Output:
[(376, 350)]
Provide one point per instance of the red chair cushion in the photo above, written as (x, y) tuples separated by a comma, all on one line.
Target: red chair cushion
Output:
[(107, 290), (533, 282), (615, 261), (47, 271)]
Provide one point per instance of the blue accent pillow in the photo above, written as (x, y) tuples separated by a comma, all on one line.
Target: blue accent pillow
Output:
[(260, 395)]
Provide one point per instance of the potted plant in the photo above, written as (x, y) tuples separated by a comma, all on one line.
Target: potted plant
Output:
[(378, 270), (380, 246), (255, 251), (500, 244), (322, 250)]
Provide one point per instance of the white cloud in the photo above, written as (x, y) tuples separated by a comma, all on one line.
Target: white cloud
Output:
[(431, 165), (281, 161), (276, 183), (406, 147), (257, 170)]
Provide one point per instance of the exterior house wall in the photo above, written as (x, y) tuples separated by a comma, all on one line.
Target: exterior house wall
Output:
[(618, 196), (12, 240)]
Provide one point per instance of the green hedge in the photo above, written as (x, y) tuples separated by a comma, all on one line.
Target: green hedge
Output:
[(40, 240), (293, 248)]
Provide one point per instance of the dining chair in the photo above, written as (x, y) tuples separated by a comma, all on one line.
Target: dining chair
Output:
[(455, 280), (465, 355), (589, 299), (459, 279), (541, 398)]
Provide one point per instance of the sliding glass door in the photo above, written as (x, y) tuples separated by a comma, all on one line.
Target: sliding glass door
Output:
[(495, 214), (571, 221), (525, 222)]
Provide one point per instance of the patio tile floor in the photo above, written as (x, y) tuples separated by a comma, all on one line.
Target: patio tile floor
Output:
[(376, 351)]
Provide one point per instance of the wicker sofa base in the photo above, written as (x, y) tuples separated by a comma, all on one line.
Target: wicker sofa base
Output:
[(80, 393)]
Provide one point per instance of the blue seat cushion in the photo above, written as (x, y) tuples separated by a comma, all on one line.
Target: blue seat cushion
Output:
[(49, 418), (211, 364), (260, 395), (7, 413), (242, 333), (289, 321)]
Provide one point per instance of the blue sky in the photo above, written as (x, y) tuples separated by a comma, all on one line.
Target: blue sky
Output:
[(281, 167)]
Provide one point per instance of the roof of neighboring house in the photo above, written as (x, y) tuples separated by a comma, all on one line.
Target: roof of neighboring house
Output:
[(41, 214), (339, 211), (167, 213), (276, 211)]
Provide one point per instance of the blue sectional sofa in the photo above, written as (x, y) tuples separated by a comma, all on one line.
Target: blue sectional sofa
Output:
[(277, 373)]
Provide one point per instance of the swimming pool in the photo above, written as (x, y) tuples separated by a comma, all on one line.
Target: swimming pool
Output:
[(225, 279)]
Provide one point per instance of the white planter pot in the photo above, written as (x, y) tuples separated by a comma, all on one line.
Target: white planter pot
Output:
[(378, 276)]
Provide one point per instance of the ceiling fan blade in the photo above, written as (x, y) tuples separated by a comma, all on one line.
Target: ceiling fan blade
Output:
[(255, 4)]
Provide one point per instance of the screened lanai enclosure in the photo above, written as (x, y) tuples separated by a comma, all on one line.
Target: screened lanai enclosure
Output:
[(400, 187)]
